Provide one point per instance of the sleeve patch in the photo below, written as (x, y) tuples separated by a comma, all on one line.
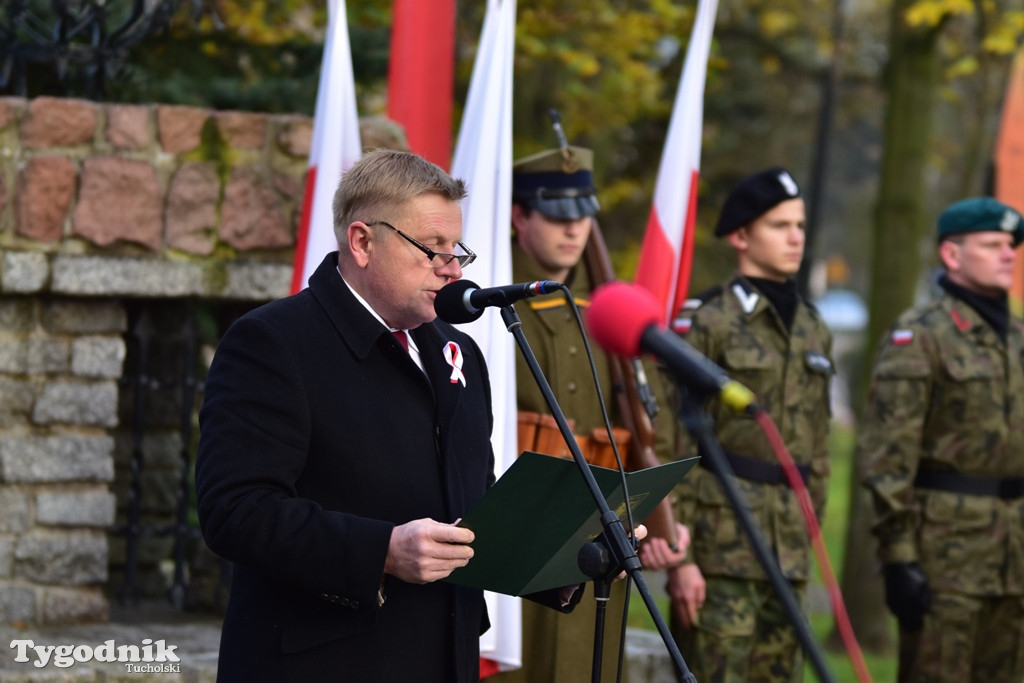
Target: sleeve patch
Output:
[(902, 337)]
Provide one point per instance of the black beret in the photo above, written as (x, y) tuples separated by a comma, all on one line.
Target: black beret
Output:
[(980, 214), (755, 195)]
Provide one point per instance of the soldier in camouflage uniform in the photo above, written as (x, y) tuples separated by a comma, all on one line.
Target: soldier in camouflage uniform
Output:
[(943, 435), (553, 202), (726, 617)]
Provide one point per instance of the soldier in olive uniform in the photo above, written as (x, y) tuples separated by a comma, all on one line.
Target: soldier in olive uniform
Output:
[(553, 206), (943, 433), (726, 617)]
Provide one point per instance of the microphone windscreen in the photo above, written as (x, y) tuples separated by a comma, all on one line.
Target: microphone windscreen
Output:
[(618, 315), (450, 305)]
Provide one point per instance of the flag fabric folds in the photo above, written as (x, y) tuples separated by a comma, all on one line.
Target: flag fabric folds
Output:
[(483, 158), (335, 147), (421, 75), (667, 253)]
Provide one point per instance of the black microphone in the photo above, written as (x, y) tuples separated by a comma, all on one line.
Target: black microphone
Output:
[(624, 318), (464, 301)]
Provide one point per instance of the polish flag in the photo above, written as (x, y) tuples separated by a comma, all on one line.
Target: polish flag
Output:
[(421, 75), (483, 158), (334, 148), (667, 252)]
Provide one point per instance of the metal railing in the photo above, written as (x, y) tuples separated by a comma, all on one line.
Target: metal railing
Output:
[(83, 41)]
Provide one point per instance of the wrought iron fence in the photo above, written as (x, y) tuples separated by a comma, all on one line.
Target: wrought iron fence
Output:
[(169, 344), (76, 40)]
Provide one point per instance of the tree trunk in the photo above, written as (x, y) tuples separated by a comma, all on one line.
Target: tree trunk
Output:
[(900, 247)]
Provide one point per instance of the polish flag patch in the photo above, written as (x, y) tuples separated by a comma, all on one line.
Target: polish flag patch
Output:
[(902, 337)]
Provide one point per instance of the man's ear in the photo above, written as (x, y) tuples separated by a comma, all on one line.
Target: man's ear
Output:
[(739, 239), (949, 254), (518, 216), (360, 242)]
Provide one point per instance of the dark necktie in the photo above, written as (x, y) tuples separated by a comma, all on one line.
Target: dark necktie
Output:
[(402, 339)]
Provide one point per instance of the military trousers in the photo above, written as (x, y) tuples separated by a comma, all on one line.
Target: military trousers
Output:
[(966, 639), (742, 635)]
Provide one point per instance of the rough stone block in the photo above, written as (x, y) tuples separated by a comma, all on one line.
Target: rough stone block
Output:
[(6, 558), (24, 271), (17, 604), (58, 122), (257, 281), (17, 314), (191, 214), (16, 399), (119, 201), (63, 605), (84, 317), (64, 558), (45, 190), (251, 216), (102, 276), (81, 403), (52, 459), (33, 355), (128, 126), (96, 356), (295, 137), (180, 128), (241, 129), (16, 516), (75, 508)]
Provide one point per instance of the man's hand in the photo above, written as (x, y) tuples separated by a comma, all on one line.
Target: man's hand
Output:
[(425, 550), (657, 554), (686, 589)]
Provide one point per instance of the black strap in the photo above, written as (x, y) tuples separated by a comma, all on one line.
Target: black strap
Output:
[(955, 482), (760, 471)]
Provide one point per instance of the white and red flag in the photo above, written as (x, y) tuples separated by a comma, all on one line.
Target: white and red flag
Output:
[(483, 158), (334, 148), (666, 256)]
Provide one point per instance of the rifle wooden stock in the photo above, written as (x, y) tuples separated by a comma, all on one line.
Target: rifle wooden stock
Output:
[(634, 417)]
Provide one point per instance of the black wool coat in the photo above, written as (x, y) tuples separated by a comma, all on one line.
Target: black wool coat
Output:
[(318, 435)]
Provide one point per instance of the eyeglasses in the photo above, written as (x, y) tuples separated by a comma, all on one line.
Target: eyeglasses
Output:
[(463, 259)]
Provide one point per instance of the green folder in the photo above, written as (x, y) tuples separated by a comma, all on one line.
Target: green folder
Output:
[(532, 523)]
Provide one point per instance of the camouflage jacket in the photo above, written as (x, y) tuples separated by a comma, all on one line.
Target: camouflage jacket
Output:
[(789, 372), (556, 341), (947, 393)]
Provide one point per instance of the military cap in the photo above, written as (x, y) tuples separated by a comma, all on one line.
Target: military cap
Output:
[(980, 214), (755, 195), (557, 182)]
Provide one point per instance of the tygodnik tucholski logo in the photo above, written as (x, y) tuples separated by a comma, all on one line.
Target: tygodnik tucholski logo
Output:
[(150, 657)]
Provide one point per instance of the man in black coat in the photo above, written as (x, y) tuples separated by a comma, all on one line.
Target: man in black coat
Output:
[(333, 461)]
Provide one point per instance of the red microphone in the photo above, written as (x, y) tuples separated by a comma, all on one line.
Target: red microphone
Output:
[(625, 319)]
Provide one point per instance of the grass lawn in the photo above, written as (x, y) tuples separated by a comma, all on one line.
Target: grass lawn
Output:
[(883, 669)]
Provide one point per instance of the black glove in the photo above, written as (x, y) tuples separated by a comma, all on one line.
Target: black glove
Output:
[(907, 594)]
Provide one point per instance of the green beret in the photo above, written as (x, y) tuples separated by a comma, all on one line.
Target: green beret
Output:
[(980, 214), (558, 183)]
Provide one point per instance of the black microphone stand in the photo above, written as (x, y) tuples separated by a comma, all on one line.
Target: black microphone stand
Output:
[(701, 427), (613, 551)]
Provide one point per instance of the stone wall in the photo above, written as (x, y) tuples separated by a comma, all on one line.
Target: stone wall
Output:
[(101, 206)]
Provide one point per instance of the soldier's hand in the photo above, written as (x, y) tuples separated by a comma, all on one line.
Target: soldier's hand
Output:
[(656, 553), (907, 594), (686, 589)]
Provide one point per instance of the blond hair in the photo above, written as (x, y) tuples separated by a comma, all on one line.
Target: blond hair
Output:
[(385, 178)]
